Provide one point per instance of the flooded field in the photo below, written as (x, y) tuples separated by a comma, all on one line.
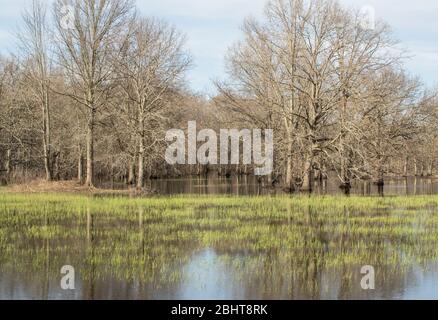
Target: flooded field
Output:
[(249, 185), (218, 247)]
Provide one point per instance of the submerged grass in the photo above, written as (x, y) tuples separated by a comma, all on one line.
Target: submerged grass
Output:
[(265, 240)]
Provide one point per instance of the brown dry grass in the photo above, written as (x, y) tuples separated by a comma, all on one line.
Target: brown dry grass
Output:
[(42, 186)]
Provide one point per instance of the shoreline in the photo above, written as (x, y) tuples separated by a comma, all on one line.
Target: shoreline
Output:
[(74, 187), (67, 187)]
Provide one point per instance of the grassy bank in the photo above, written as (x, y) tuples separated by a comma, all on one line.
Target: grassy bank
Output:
[(269, 205)]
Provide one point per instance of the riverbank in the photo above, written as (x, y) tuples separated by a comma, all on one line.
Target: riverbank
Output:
[(67, 187)]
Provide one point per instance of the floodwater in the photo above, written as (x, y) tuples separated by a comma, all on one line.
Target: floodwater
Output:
[(229, 250), (249, 185), (209, 277)]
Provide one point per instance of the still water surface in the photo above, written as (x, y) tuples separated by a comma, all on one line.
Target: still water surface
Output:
[(210, 278), (221, 249), (248, 185)]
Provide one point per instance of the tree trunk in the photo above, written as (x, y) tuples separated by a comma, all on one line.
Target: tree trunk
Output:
[(405, 167), (141, 150), (131, 172), (112, 174), (308, 176), (345, 172), (430, 169), (90, 149), (345, 176), (415, 186), (140, 179), (8, 162), (380, 174), (80, 166), (46, 135), (289, 175), (270, 180), (416, 168), (55, 167)]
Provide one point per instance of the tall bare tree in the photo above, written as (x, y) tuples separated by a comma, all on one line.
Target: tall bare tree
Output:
[(35, 40), (86, 33), (152, 67)]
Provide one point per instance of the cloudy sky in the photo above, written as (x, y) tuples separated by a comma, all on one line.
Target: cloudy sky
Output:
[(213, 25)]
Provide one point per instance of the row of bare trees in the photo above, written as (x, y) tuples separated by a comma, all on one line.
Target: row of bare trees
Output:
[(114, 70), (95, 86), (335, 90)]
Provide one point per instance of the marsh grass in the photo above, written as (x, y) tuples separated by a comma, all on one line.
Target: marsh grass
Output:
[(270, 241)]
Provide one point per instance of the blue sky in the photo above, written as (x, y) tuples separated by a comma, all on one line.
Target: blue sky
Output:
[(213, 25)]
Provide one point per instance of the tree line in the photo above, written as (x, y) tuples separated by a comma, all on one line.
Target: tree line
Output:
[(94, 86)]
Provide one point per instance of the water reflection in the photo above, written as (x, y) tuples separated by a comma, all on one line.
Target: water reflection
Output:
[(250, 185), (209, 277), (224, 249)]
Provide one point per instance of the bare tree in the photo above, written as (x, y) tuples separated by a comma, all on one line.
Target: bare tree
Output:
[(153, 64), (85, 50), (334, 93), (305, 66), (35, 41), (361, 52), (287, 65), (389, 119)]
